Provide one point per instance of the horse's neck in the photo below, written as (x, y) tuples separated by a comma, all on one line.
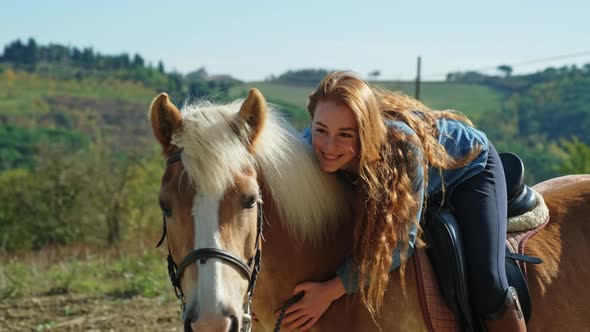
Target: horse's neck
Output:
[(287, 261), (302, 260)]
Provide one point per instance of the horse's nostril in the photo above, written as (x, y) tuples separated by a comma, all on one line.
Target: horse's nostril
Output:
[(235, 325)]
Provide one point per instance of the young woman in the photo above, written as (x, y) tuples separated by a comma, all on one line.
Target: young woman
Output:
[(398, 154)]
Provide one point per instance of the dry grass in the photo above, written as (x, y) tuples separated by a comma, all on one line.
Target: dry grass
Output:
[(125, 270)]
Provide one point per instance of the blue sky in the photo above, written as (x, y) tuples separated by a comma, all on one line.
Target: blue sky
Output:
[(254, 39)]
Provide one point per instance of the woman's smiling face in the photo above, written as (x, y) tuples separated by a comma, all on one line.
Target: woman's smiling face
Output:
[(334, 136)]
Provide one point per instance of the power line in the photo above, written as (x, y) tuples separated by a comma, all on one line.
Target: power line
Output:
[(527, 62), (558, 57)]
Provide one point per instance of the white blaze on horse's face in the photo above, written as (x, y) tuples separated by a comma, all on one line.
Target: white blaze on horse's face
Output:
[(224, 221), (211, 294)]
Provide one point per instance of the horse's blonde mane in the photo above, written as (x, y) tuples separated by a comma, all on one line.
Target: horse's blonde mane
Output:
[(310, 202)]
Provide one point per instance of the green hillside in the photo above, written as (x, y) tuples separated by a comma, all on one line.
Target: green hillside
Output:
[(28, 94), (472, 100), (289, 94), (113, 110)]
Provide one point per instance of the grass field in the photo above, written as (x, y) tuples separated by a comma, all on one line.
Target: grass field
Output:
[(83, 288), (129, 269), (472, 100)]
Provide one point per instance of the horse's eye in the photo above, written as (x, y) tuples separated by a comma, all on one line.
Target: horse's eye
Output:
[(250, 202), (167, 210)]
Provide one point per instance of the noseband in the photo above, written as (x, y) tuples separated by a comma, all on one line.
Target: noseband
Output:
[(248, 270)]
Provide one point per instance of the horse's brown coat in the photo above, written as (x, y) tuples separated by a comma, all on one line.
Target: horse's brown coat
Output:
[(559, 287)]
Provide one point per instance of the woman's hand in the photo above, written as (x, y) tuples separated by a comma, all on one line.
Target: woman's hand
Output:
[(316, 299)]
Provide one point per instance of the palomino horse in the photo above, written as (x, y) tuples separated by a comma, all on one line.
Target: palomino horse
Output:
[(224, 160)]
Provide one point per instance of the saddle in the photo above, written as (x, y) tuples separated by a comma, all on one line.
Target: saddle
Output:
[(445, 249)]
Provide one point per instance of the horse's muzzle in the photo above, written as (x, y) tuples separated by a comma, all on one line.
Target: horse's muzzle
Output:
[(220, 324)]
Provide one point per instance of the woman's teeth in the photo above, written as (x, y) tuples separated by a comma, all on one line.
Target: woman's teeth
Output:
[(330, 157)]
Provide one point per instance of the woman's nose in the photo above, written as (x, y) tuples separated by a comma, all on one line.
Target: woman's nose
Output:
[(329, 144)]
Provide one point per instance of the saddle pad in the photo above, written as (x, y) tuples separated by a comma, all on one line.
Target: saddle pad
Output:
[(516, 242), (437, 315), (531, 219)]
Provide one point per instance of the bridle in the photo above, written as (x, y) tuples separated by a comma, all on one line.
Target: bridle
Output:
[(248, 270)]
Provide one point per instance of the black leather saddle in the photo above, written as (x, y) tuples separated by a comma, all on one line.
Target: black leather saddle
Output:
[(445, 248), (520, 197)]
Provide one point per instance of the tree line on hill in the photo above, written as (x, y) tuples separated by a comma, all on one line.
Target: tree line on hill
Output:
[(59, 61), (309, 77), (305, 77), (30, 54), (509, 83)]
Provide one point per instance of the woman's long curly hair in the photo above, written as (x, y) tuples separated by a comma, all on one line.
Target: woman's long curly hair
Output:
[(385, 171)]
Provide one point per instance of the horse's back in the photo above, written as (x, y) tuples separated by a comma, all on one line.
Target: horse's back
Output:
[(558, 286), (567, 183)]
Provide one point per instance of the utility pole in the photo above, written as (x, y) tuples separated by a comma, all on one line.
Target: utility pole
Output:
[(418, 79)]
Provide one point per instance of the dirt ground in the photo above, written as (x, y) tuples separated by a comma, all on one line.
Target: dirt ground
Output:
[(80, 313)]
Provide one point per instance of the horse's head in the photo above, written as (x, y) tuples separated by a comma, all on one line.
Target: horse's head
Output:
[(210, 199)]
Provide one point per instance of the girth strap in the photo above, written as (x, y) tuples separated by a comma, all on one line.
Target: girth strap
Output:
[(523, 258)]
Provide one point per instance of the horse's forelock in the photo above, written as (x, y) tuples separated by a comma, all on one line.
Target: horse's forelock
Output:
[(212, 150)]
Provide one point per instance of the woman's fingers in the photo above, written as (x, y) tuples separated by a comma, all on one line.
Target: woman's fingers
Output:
[(290, 310), (293, 316), (316, 299), (299, 322), (309, 324)]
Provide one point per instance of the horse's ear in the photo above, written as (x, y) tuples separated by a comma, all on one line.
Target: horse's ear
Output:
[(165, 118), (253, 112)]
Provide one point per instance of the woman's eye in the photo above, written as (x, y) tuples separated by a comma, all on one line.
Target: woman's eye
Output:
[(320, 131), (345, 135)]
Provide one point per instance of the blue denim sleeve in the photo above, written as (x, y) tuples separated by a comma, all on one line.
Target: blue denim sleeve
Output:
[(348, 271), (306, 135)]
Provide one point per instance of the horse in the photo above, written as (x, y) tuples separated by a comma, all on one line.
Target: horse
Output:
[(240, 182)]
